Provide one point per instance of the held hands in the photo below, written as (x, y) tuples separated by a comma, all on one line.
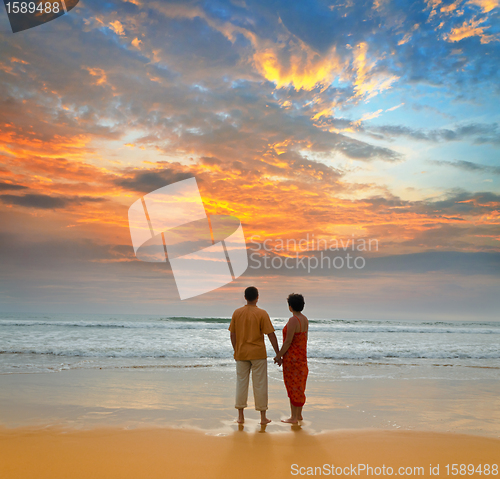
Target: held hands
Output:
[(278, 361)]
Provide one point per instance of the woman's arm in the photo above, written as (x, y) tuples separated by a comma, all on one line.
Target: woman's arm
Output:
[(291, 327)]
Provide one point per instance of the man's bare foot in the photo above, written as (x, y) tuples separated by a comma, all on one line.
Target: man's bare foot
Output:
[(301, 418), (241, 417), (290, 420)]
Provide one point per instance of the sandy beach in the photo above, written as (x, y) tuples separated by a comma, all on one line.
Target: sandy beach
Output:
[(159, 453), (179, 423)]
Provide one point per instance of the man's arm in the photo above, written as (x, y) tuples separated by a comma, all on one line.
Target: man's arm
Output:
[(274, 342), (233, 340)]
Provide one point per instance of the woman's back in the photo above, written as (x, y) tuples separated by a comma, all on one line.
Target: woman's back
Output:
[(298, 347), (303, 325)]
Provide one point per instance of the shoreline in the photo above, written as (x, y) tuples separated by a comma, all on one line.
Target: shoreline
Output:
[(186, 453)]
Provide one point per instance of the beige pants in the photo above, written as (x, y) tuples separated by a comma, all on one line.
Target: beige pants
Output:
[(259, 382)]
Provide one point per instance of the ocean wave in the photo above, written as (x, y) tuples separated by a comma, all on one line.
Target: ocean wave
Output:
[(226, 354), (403, 329), (187, 319), (112, 325), (119, 354), (221, 323), (407, 355)]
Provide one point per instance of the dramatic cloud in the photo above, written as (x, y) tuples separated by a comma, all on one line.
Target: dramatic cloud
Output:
[(477, 132), (340, 119), (11, 186), (470, 166), (149, 180), (44, 201)]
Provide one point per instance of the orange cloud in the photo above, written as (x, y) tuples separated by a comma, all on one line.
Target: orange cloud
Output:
[(17, 60), (366, 83), (297, 65), (370, 116), (117, 27), (7, 68), (470, 29), (433, 4), (451, 7), (485, 5), (408, 35), (102, 79), (325, 112)]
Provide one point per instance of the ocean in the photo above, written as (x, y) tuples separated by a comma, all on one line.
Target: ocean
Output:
[(41, 343)]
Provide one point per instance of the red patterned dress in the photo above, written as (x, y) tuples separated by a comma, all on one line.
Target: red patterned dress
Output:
[(295, 368)]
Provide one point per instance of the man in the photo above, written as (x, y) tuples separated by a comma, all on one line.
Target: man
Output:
[(248, 326)]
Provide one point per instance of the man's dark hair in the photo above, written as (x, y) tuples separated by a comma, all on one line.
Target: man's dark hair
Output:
[(296, 301), (251, 293)]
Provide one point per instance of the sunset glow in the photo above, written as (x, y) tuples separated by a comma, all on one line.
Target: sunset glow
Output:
[(358, 119)]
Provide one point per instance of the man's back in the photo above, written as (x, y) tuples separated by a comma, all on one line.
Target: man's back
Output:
[(250, 323)]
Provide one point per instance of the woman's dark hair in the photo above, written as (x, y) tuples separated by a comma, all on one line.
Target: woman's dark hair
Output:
[(296, 301), (251, 293)]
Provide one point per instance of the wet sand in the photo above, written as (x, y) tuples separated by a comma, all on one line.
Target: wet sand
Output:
[(203, 397)]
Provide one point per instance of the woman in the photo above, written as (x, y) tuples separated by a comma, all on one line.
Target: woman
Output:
[(293, 356)]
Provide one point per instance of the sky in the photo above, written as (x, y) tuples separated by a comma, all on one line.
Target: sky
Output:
[(339, 121)]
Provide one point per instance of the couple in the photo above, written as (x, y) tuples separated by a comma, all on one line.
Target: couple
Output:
[(248, 326)]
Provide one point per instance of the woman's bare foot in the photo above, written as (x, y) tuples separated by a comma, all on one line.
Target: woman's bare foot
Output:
[(301, 418), (290, 420), (263, 418)]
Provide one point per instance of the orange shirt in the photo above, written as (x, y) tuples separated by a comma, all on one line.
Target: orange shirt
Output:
[(250, 323)]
